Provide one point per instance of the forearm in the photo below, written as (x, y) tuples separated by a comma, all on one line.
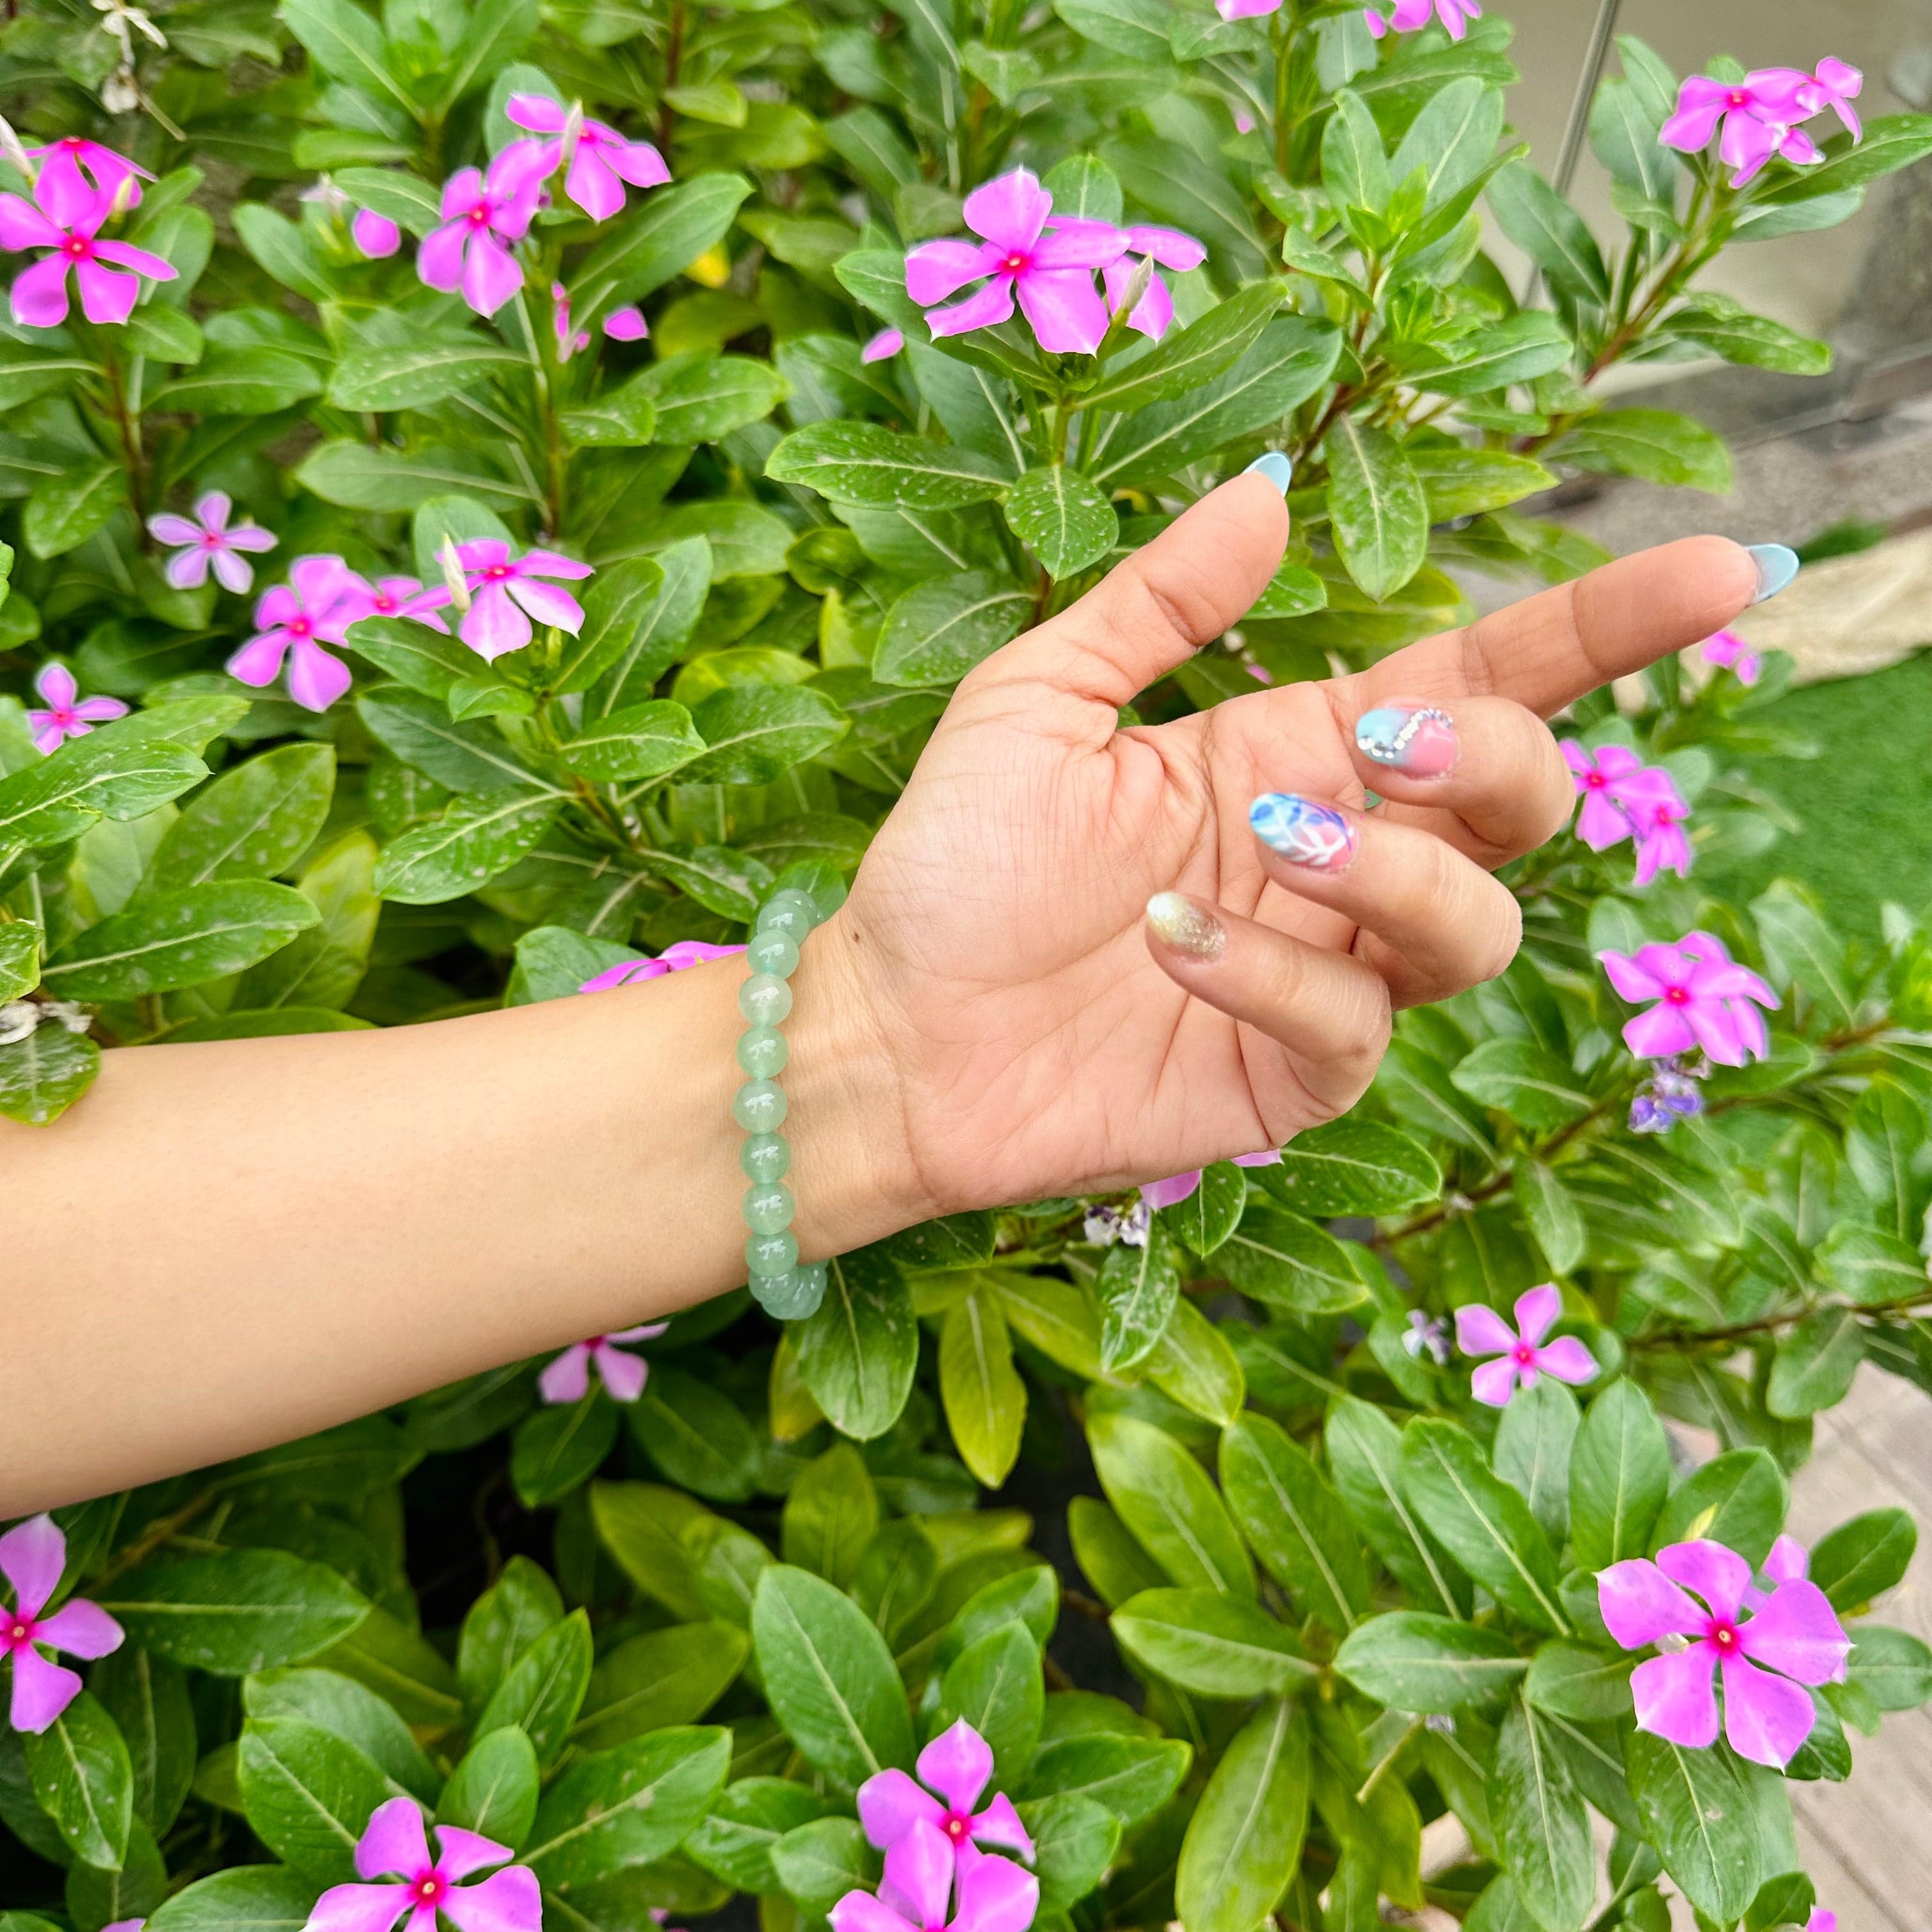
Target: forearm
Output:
[(231, 1244)]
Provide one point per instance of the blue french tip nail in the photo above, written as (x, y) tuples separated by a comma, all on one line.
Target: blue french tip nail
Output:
[(1280, 472), (1777, 566)]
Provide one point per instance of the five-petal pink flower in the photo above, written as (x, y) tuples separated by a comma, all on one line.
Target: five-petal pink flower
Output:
[(75, 173), (294, 620), (1703, 998), (1757, 117), (567, 1377), (1661, 844), (602, 160), (1521, 1353), (506, 592), (674, 959), (68, 714), (396, 597), (1793, 1639), (205, 539), (68, 224), (33, 1555), (1168, 248), (1408, 15), (481, 212), (957, 1765), (1618, 790), (1725, 650), (394, 1847), (917, 1892), (1049, 268)]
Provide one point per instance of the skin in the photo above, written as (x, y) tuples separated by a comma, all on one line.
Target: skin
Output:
[(230, 1244)]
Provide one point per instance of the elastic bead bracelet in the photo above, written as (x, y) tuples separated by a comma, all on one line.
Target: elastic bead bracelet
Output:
[(781, 1286)]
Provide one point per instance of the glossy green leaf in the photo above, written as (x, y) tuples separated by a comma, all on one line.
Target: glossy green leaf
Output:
[(1165, 1498), (1244, 1840)]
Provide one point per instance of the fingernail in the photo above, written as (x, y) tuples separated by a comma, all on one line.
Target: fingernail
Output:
[(1304, 832), (1187, 926), (1280, 471), (1417, 739), (1777, 566)]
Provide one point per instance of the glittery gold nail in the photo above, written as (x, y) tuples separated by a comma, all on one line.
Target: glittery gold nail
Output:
[(1187, 926)]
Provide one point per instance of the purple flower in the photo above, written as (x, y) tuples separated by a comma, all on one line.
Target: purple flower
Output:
[(1836, 84), (375, 235), (1523, 1354), (68, 222), (32, 1555), (1176, 1187), (294, 620), (1703, 999), (1669, 1095), (206, 538), (1727, 651), (1758, 114), (75, 172), (394, 1846), (1104, 1225), (1425, 1337), (956, 1765), (887, 342), (1794, 1633), (626, 325), (68, 715), (1051, 270), (567, 1377), (1171, 250), (1661, 845), (674, 959), (567, 343), (1615, 786), (506, 591), (600, 164), (396, 597), (480, 213), (995, 1895), (1456, 15)]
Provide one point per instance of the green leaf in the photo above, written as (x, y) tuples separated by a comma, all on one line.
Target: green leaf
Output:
[(642, 741), (994, 1684), (147, 1696), (938, 630), (1353, 1167), (857, 1353), (416, 725), (663, 1677), (1891, 141), (1138, 1287), (19, 959), (352, 1712), (1891, 1666), (545, 1689), (1164, 1497), (1550, 231), (43, 1075), (412, 375), (1520, 350), (1294, 1522), (308, 1795), (1244, 1840), (1738, 1499), (81, 1779), (1365, 1452), (1725, 328), (1525, 1081), (616, 1809), (560, 1447), (1464, 482), (1111, 1561), (1186, 358), (346, 45), (243, 1610), (243, 1898), (831, 1515), (1211, 1645), (1551, 1211), (1656, 445), (986, 1400), (1355, 164), (702, 396), (1130, 1777), (493, 1789), (1532, 1450), (254, 821), (1413, 1661), (642, 251), (1205, 1219), (862, 463), (178, 939), (1066, 521), (502, 1623), (737, 1841), (1864, 1558), (1286, 1260), (1578, 1681), (66, 510), (756, 733), (698, 1436), (1542, 1823), (1376, 508), (466, 845), (251, 381), (828, 1677), (1815, 1363), (1194, 1364), (1619, 1475), (1075, 1842), (1697, 1811), (1452, 140), (819, 1861)]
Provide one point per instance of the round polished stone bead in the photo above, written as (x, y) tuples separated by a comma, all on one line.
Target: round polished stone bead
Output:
[(771, 1254), (765, 1157), (759, 1107), (793, 1295), (762, 1051), (791, 913), (769, 1209), (764, 999), (774, 952)]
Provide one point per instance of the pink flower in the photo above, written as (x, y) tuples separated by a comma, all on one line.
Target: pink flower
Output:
[(1244, 121), (601, 162), (294, 620), (1759, 116), (123, 1925), (1456, 15), (206, 538), (1820, 1921), (567, 1378), (1703, 999), (75, 172), (1616, 786), (1051, 270), (1766, 1716), (887, 342), (32, 1555), (994, 1894), (394, 1845), (957, 1765), (1522, 1353), (1176, 1187), (1171, 250), (481, 212), (674, 959), (395, 597), (1789, 1561), (626, 325), (506, 592), (1836, 84), (567, 343), (1727, 651), (67, 221), (376, 235), (68, 715), (1245, 10), (1661, 845)]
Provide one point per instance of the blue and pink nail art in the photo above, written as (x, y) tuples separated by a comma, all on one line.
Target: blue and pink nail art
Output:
[(1417, 739), (1303, 832)]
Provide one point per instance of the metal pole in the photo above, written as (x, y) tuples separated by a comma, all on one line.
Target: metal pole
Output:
[(1601, 35)]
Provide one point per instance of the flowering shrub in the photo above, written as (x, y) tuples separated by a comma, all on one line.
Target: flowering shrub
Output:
[(427, 316)]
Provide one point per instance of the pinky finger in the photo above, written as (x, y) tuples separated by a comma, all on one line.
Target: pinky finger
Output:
[(1328, 1012)]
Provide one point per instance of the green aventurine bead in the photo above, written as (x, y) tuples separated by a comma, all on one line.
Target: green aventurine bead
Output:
[(759, 1108), (791, 913), (792, 1296), (768, 1211), (766, 1157), (762, 1052), (771, 1254), (764, 999), (774, 952)]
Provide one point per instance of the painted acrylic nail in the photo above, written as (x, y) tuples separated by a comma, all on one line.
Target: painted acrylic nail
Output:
[(1278, 469), (1417, 739), (1186, 926), (1303, 831), (1777, 566)]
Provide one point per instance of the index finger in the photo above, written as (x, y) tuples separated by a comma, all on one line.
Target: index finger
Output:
[(1549, 649)]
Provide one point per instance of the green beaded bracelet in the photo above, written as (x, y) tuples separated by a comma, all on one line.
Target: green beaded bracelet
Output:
[(781, 1286)]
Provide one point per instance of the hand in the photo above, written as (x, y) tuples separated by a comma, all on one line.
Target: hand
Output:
[(1039, 1033)]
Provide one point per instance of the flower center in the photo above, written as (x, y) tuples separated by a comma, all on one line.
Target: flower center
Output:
[(1724, 1635), (1013, 264), (1596, 781), (1677, 996), (1524, 1355), (16, 1634), (958, 1828), (210, 539), (1738, 97), (479, 217), (495, 573), (75, 248), (298, 627), (431, 1888), (384, 602)]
